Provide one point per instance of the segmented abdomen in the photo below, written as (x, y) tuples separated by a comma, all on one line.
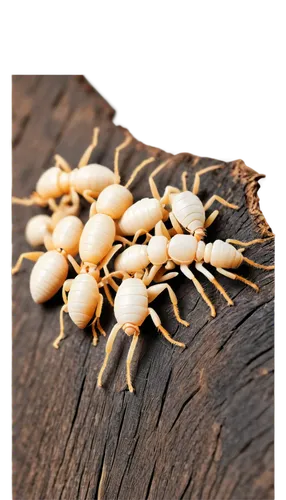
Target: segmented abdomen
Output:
[(97, 238), (48, 276), (222, 254), (131, 302), (133, 259), (83, 299), (92, 177), (188, 210), (144, 214)]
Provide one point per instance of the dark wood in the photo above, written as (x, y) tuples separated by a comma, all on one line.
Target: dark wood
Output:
[(200, 425)]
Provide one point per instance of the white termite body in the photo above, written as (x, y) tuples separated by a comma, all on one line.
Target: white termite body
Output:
[(37, 228), (189, 212), (131, 305), (97, 238), (83, 298), (40, 227), (51, 268), (183, 250), (92, 181), (114, 200), (142, 215)]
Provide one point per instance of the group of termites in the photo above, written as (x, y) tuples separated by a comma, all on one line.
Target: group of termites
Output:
[(177, 219)]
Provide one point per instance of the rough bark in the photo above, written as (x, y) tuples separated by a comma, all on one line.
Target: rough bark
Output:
[(200, 425)]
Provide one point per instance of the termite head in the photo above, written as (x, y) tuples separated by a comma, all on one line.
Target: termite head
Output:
[(131, 329), (92, 269)]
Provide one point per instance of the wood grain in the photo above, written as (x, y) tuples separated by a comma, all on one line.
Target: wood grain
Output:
[(200, 425)]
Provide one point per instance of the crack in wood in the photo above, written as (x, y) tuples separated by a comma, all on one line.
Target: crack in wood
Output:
[(191, 396)]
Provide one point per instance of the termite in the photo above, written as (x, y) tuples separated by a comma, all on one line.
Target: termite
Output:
[(187, 210), (87, 180), (131, 308), (40, 226), (183, 250), (84, 301), (51, 268), (95, 251)]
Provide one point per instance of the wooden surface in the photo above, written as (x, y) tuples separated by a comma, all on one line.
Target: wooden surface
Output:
[(200, 425)]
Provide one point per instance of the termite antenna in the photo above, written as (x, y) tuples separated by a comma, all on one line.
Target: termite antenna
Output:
[(259, 266), (153, 187), (86, 155), (184, 181), (34, 199), (138, 169), (119, 148), (248, 243)]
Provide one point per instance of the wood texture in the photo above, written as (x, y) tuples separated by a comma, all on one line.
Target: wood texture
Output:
[(200, 425)]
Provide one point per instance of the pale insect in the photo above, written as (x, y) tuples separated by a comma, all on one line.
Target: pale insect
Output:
[(131, 308), (59, 180), (40, 226), (87, 180), (84, 301), (51, 268), (115, 199), (182, 249), (95, 251), (187, 210)]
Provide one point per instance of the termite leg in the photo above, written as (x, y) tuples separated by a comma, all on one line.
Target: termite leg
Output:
[(139, 233), (155, 290), (152, 184), (148, 277), (48, 242), (33, 256), (124, 144), (256, 264), (96, 320), (108, 350), (165, 277), (74, 264), (188, 273), (234, 276), (129, 360), (197, 180), (211, 278), (87, 194), (62, 163), (137, 170), (109, 256), (108, 294), (175, 224), (35, 199), (157, 322), (166, 196), (248, 243), (86, 155), (211, 218), (111, 281), (62, 333), (161, 230), (66, 288), (221, 200), (92, 210)]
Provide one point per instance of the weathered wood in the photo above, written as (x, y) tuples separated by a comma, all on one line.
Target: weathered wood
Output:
[(200, 425)]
